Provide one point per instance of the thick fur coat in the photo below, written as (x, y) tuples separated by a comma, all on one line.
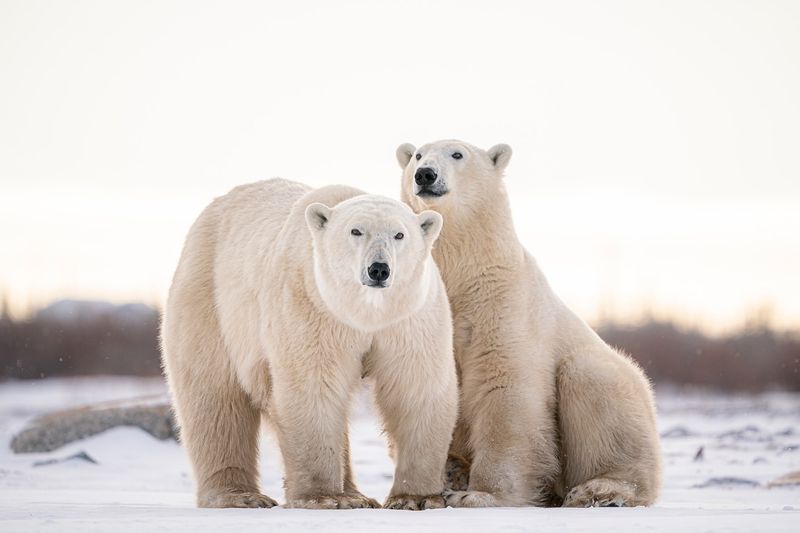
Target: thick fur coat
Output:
[(275, 313), (550, 413)]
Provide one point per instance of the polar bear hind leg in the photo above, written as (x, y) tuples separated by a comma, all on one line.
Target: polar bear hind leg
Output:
[(608, 433), (218, 423)]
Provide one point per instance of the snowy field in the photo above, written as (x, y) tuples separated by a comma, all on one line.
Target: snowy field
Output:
[(141, 484)]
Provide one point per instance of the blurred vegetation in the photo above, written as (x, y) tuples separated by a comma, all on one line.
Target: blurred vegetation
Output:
[(752, 359), (125, 342), (102, 343)]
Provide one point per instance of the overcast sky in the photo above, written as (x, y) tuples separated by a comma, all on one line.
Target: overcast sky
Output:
[(656, 144)]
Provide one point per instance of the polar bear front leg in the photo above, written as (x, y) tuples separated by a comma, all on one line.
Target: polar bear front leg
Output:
[(512, 436), (417, 394), (311, 397)]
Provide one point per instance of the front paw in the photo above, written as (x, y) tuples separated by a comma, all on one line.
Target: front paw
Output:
[(333, 501), (469, 498), (409, 502)]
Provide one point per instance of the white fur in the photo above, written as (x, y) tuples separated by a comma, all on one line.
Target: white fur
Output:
[(268, 317), (550, 413)]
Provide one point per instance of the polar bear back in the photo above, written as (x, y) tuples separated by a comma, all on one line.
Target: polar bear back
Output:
[(262, 244), (270, 213)]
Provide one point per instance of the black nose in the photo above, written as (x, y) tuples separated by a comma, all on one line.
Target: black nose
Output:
[(378, 271), (425, 176)]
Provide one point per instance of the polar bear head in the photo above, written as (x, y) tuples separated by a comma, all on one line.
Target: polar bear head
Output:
[(435, 173), (372, 259)]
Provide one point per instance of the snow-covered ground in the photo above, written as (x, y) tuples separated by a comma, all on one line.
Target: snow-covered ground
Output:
[(139, 483)]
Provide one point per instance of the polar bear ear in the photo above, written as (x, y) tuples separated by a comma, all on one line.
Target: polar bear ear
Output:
[(317, 216), (500, 154), (404, 153), (431, 224)]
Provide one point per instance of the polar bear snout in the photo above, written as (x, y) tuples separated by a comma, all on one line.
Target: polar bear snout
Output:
[(425, 176), (379, 273), (428, 183)]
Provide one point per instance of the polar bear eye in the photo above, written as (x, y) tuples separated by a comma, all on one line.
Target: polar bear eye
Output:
[(355, 232), (418, 156), (457, 155), (399, 236)]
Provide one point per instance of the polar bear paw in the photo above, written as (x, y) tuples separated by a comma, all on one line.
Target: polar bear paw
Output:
[(408, 502), (601, 492), (236, 499), (334, 501), (470, 498), (368, 503)]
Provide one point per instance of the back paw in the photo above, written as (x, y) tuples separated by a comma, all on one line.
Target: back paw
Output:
[(602, 492)]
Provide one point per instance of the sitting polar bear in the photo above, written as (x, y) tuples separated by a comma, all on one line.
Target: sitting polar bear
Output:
[(549, 412), (283, 298)]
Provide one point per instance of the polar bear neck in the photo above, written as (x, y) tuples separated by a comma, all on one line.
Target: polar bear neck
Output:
[(483, 231)]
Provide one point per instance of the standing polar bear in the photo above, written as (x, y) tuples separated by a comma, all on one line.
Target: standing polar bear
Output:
[(283, 298), (549, 412)]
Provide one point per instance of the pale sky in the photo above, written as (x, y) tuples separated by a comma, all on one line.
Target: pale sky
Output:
[(656, 144)]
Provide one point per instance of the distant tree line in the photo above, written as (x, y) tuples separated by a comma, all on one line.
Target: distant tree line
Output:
[(42, 346), (753, 359)]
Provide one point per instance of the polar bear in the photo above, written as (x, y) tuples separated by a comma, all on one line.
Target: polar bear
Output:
[(550, 413), (283, 298)]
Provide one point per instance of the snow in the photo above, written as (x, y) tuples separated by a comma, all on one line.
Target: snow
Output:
[(140, 483)]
